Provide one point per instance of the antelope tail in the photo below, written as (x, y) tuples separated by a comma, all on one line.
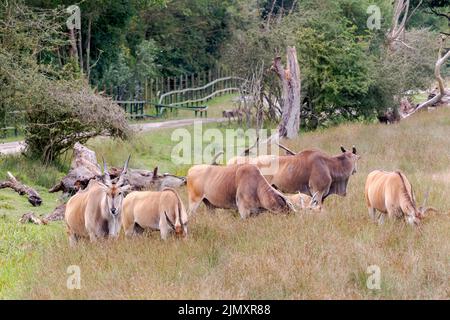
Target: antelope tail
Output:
[(180, 208)]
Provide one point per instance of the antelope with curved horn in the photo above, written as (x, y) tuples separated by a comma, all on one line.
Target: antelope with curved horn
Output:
[(391, 194), (95, 212), (308, 172)]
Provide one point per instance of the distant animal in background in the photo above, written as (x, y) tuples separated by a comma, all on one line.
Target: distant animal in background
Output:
[(389, 117), (392, 194), (234, 114), (154, 210)]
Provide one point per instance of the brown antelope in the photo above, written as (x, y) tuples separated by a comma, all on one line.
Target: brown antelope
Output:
[(95, 212), (239, 187), (391, 193), (309, 172), (154, 210)]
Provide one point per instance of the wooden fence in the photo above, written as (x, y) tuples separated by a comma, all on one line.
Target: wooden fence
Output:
[(152, 89), (189, 92)]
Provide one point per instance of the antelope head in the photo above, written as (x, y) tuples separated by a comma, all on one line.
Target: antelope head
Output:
[(353, 157), (114, 190), (421, 212)]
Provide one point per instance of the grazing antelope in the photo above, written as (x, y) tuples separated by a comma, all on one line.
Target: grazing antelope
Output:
[(159, 210), (391, 193), (309, 172), (239, 187), (95, 212)]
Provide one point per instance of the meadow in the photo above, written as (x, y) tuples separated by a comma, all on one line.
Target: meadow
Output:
[(299, 256)]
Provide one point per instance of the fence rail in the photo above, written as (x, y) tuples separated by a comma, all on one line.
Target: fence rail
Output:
[(177, 94), (195, 96)]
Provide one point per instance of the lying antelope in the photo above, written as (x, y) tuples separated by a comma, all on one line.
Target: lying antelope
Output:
[(391, 193), (160, 210), (239, 187), (95, 212), (303, 201)]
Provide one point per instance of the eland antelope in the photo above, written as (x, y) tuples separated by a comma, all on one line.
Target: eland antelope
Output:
[(239, 187), (391, 193), (154, 210), (308, 172), (95, 212)]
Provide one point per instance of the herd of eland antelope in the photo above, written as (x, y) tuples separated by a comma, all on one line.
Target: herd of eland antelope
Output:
[(301, 181)]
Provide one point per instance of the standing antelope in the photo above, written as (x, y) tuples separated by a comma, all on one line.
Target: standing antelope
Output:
[(308, 172), (391, 193), (162, 210), (95, 212)]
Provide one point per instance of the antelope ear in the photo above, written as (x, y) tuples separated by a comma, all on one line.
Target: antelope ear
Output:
[(155, 173), (343, 149), (354, 150)]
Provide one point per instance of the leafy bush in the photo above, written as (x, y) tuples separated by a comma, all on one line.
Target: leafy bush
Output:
[(59, 107)]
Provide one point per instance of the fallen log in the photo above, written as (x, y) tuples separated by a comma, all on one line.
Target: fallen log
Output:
[(83, 169), (30, 217), (57, 214), (33, 196), (140, 179)]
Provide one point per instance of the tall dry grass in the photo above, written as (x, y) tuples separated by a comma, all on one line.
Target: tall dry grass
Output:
[(301, 256)]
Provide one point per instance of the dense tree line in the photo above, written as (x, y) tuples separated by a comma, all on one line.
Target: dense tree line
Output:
[(349, 70)]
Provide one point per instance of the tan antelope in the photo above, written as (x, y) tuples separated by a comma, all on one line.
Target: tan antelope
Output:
[(308, 172), (302, 201), (239, 187), (95, 212), (154, 210), (391, 193)]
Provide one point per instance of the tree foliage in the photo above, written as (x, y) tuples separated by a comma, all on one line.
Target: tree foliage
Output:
[(347, 71), (58, 106)]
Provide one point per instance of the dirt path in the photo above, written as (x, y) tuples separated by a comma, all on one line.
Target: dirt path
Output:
[(18, 146)]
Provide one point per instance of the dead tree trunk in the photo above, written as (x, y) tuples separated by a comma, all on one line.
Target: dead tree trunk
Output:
[(88, 49), (290, 78), (73, 51), (33, 197), (401, 8), (437, 72)]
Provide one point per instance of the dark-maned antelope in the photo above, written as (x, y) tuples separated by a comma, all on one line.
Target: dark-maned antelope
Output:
[(95, 212), (309, 172), (239, 187), (154, 210), (391, 193)]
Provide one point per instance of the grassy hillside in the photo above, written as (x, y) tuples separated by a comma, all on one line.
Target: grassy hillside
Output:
[(319, 256)]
